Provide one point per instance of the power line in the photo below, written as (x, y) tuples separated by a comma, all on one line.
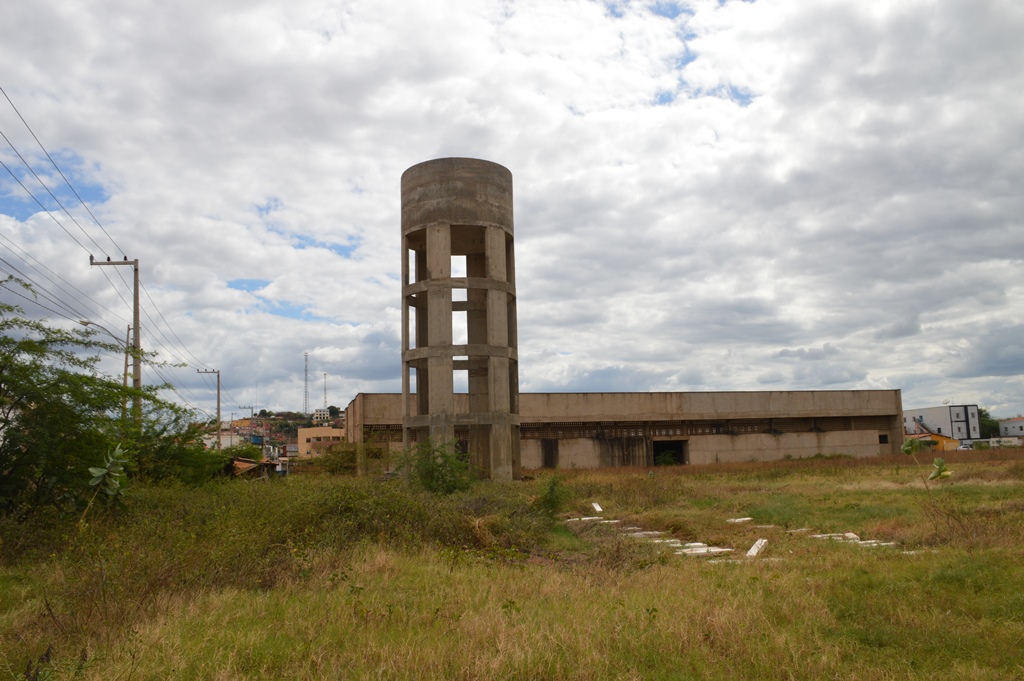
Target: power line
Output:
[(70, 186), (4, 286), (80, 200), (15, 272), (59, 224), (170, 348), (171, 329), (25, 254), (52, 217), (52, 195)]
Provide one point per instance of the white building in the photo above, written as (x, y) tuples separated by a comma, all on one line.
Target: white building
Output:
[(960, 421), (321, 415), (1012, 427)]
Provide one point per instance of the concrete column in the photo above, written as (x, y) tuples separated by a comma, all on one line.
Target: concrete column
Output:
[(462, 207)]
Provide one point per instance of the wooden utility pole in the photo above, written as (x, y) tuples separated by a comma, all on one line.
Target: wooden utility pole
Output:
[(215, 371), (136, 338)]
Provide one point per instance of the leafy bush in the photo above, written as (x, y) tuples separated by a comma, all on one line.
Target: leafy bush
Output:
[(341, 458), (59, 413), (440, 469), (554, 498)]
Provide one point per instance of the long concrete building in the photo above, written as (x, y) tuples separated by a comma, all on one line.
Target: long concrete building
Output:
[(591, 430), (459, 211)]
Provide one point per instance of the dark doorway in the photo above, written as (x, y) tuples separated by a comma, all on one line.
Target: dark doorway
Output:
[(670, 453), (549, 449)]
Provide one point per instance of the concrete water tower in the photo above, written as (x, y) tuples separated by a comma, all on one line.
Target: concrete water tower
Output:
[(459, 312)]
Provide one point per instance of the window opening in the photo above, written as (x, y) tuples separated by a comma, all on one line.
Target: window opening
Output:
[(460, 327), (460, 381), (458, 265)]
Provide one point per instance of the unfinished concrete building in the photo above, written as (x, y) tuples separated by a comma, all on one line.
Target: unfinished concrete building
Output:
[(460, 378), (459, 311), (595, 430)]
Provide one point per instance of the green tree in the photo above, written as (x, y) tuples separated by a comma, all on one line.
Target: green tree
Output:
[(59, 415), (244, 450), (989, 426), (170, 446)]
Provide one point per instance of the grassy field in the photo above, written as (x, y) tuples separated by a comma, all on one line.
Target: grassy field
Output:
[(322, 577)]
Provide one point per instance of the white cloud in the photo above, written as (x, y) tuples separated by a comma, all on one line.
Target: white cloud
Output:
[(700, 197)]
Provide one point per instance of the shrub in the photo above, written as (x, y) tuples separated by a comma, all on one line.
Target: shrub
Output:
[(440, 469), (554, 498), (341, 458)]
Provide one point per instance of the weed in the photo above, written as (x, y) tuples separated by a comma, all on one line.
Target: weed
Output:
[(358, 578), (108, 480), (439, 468), (554, 498)]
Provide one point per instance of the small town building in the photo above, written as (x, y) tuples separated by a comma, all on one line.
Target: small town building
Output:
[(311, 441), (959, 421), (1012, 427)]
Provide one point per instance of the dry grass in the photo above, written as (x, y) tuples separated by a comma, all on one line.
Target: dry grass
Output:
[(495, 591)]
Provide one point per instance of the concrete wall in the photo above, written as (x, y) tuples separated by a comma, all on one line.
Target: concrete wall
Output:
[(386, 408), (372, 409), (625, 426), (762, 447), (545, 407), (705, 449)]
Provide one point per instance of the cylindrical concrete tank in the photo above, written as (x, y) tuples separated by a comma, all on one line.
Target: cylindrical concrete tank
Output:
[(460, 375)]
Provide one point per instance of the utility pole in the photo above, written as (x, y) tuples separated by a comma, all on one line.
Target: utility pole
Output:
[(305, 399), (127, 354), (247, 407), (136, 339), (215, 371)]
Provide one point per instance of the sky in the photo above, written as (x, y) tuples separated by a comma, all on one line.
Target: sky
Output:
[(709, 195)]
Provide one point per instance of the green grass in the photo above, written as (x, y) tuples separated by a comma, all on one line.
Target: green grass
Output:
[(324, 577)]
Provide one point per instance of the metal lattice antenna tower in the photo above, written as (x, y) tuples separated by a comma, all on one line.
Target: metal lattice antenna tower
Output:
[(325, 391), (305, 399)]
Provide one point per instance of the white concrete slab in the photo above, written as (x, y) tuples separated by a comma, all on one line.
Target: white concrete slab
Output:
[(756, 548), (597, 507), (739, 520), (706, 551)]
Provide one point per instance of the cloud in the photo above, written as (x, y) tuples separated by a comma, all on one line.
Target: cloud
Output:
[(714, 196), (810, 354), (996, 352)]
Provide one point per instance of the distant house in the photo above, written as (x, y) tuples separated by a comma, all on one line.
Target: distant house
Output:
[(937, 442), (313, 440), (958, 421), (227, 439), (1012, 427)]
